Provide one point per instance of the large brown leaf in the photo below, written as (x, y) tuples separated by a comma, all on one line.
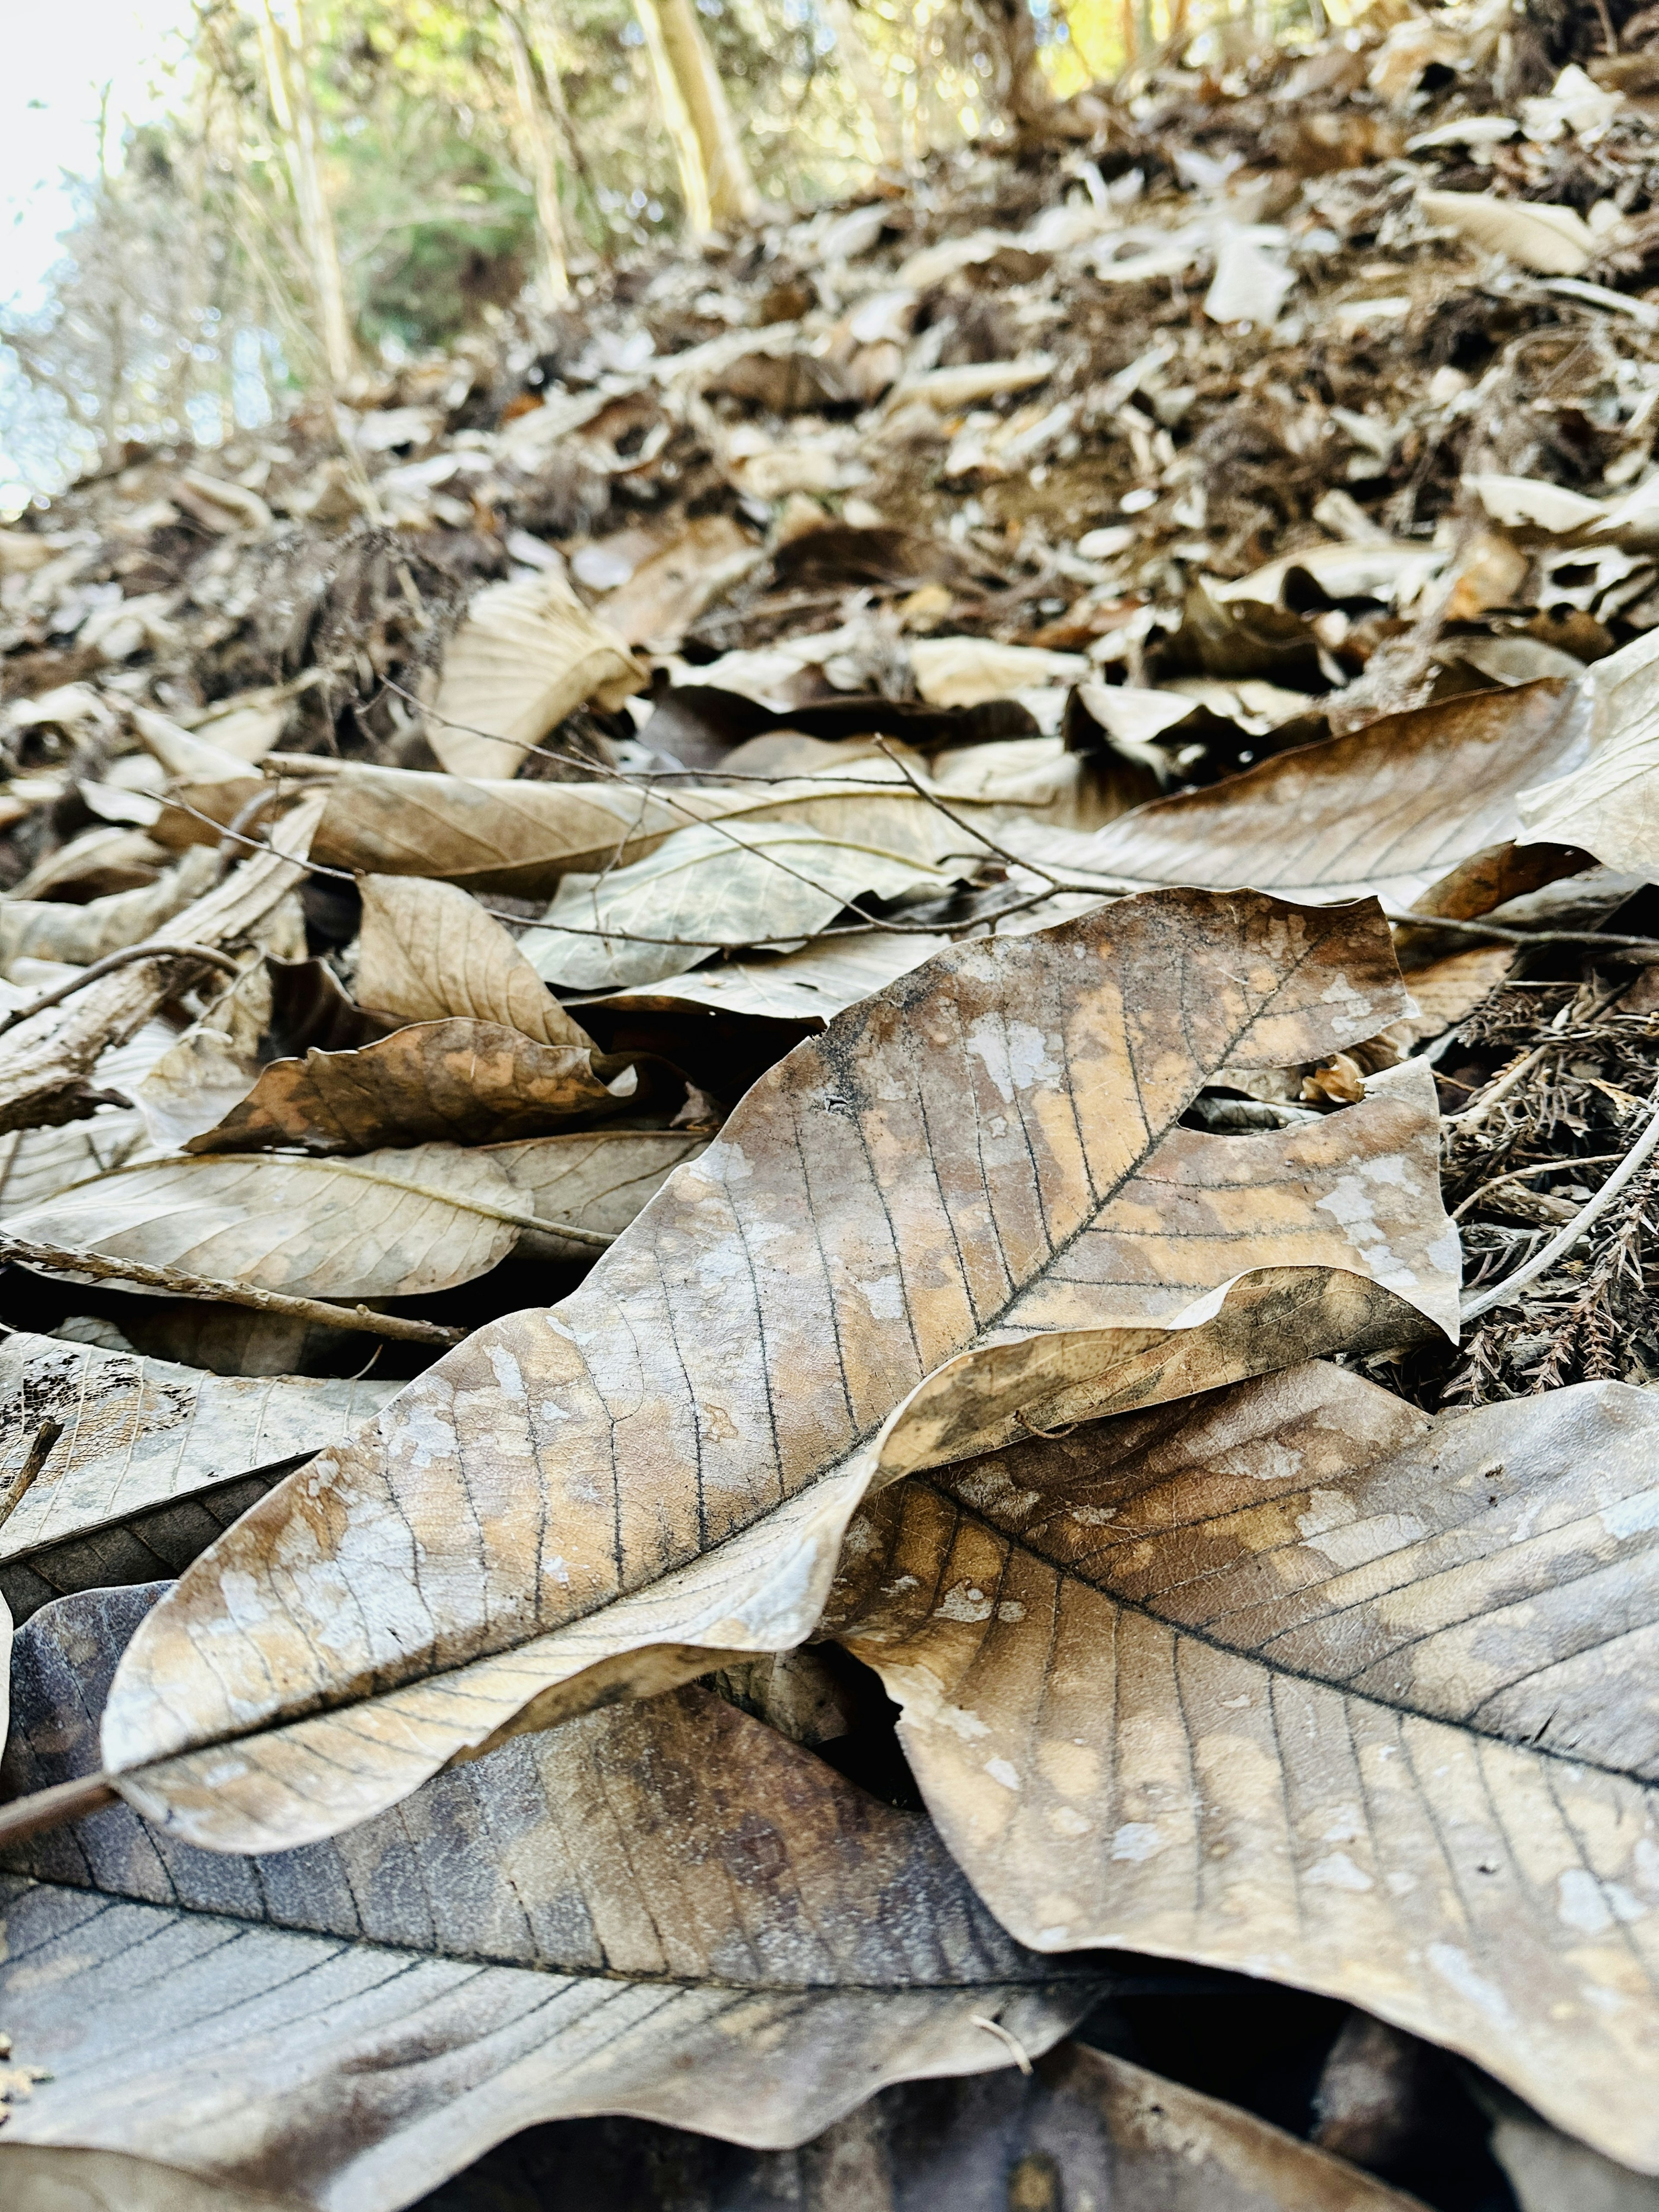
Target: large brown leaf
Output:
[(139, 1436), (1389, 810), (968, 1206), (466, 1081), (668, 1910), (1298, 1680), (428, 950)]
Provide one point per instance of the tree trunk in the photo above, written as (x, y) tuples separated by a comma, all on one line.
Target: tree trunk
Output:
[(866, 80), (714, 170), (542, 150), (290, 103), (1028, 98)]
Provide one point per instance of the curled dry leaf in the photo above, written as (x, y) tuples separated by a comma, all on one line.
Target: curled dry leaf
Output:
[(393, 1223), (46, 1059), (1389, 809), (140, 1435), (968, 1203), (52, 929), (1609, 806), (1082, 2132), (428, 949), (272, 1012), (563, 1927), (526, 655), (1556, 242), (466, 1081), (714, 885), (1298, 1680)]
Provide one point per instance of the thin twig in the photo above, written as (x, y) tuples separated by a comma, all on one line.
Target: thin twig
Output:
[(63, 1260), (199, 954), (967, 828), (1650, 946), (54, 1808), (40, 1451), (1504, 1292), (1538, 1167)]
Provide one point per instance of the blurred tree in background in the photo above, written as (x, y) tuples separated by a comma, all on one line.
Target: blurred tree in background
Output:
[(339, 183)]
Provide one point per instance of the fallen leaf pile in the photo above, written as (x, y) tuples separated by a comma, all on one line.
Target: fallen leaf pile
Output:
[(828, 1175)]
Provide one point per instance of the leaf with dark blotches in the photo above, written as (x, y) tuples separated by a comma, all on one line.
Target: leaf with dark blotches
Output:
[(138, 1481), (1298, 1680), (469, 1082), (966, 1209), (666, 1909)]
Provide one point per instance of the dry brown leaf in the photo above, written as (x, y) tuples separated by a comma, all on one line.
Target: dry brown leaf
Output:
[(1298, 1680), (140, 1435), (526, 655), (597, 1180), (1556, 242), (1389, 810), (44, 1060), (53, 929), (428, 949), (1609, 806), (569, 1925), (969, 1204), (463, 1081), (1082, 2132), (392, 1224)]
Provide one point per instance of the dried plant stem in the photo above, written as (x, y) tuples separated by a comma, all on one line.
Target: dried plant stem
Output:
[(1500, 1087), (1538, 1167), (1642, 951), (201, 955), (54, 1808), (39, 1452), (62, 1259), (1497, 1294)]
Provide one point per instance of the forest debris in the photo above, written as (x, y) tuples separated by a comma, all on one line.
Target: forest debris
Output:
[(891, 1148), (524, 657)]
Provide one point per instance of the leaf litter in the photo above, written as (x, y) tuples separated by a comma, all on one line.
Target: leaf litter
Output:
[(941, 940)]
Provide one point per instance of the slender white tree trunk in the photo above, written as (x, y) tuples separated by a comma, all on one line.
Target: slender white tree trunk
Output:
[(715, 174), (542, 149), (289, 87)]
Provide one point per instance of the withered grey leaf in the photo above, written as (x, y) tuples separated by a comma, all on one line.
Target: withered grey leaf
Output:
[(967, 1206), (1083, 2132), (666, 1909), (1298, 1680), (391, 1224), (141, 1436)]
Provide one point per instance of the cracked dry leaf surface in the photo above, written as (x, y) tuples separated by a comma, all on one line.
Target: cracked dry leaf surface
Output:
[(1296, 1680), (666, 1909), (970, 1196)]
